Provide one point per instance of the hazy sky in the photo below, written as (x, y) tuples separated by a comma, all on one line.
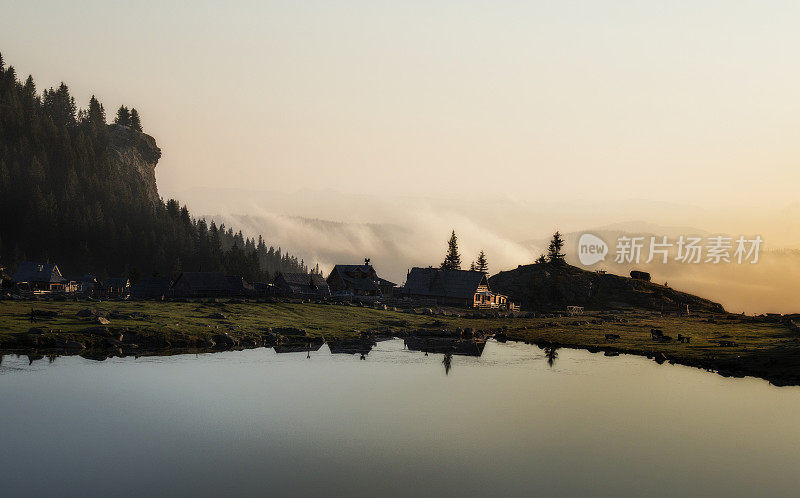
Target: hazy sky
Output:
[(682, 101)]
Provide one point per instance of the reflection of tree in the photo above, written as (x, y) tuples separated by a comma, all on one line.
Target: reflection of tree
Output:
[(447, 362), (551, 353)]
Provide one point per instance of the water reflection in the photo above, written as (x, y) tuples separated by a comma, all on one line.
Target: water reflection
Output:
[(255, 423), (447, 361), (300, 347), (551, 353), (445, 345)]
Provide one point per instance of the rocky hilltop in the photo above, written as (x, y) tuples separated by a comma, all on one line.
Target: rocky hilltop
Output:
[(550, 286), (134, 156)]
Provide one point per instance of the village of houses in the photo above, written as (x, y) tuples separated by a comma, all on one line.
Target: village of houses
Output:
[(345, 283)]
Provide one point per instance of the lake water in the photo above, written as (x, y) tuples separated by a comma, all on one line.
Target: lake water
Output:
[(260, 423)]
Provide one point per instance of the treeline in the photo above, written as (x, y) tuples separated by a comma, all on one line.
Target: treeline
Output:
[(59, 201)]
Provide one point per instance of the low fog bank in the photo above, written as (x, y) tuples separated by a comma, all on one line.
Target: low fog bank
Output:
[(400, 232), (392, 248)]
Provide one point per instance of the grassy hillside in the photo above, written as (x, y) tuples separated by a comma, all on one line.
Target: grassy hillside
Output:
[(546, 286)]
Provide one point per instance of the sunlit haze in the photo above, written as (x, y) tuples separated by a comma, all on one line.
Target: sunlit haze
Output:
[(691, 106)]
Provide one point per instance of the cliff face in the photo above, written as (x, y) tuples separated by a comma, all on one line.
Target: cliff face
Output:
[(134, 156), (547, 286)]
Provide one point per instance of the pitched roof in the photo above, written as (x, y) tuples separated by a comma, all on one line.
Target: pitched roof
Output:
[(199, 281), (296, 278), (117, 282), (239, 284), (303, 283), (361, 277), (150, 287), (461, 284), (29, 271)]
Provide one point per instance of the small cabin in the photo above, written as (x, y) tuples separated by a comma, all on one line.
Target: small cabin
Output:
[(117, 287), (39, 277), (359, 280), (465, 288)]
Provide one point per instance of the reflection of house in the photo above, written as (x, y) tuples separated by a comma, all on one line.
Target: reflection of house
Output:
[(39, 277), (151, 288), (117, 287), (453, 287), (201, 284), (302, 285), (358, 280)]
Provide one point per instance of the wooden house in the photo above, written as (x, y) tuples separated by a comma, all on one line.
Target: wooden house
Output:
[(151, 288), (117, 288), (453, 288), (200, 284), (358, 280), (238, 286), (301, 285), (39, 277)]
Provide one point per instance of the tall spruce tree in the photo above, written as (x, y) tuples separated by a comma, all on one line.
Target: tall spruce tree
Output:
[(554, 254), (481, 264), (136, 123), (452, 261), (123, 116), (96, 114)]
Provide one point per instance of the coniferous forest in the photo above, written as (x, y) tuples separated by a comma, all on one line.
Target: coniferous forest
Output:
[(61, 203)]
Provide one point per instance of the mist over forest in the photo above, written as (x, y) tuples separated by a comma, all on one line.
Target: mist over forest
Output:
[(397, 233)]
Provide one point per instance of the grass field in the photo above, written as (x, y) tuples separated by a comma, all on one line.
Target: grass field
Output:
[(767, 349)]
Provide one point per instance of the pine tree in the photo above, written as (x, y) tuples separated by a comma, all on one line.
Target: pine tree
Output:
[(136, 123), (554, 254), (452, 261), (541, 260), (472, 266), (123, 116), (481, 265), (96, 114)]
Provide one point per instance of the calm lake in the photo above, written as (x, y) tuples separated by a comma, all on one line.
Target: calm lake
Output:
[(257, 422)]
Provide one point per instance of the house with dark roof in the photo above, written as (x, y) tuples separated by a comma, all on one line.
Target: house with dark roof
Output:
[(238, 286), (151, 288), (453, 288), (301, 285), (358, 280), (200, 284), (86, 284), (116, 287), (39, 277)]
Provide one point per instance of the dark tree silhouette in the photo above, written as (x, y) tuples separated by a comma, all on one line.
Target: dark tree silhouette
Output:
[(63, 203), (123, 116), (452, 261), (541, 260), (136, 123), (554, 254), (481, 264)]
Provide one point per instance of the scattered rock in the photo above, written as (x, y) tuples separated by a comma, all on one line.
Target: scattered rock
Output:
[(101, 321)]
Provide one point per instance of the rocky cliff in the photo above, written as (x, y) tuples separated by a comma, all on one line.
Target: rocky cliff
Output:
[(134, 156), (547, 286)]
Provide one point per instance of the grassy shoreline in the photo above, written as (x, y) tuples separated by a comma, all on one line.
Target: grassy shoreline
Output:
[(728, 344)]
